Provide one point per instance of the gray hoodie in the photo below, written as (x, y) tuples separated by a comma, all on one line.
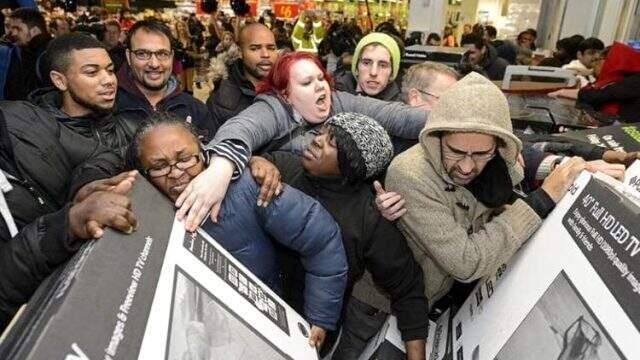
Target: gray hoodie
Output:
[(452, 234), (270, 121)]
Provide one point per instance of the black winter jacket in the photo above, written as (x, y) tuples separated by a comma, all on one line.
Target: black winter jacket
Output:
[(132, 104), (493, 65), (345, 81), (34, 63), (114, 132), (231, 95), (370, 241), (50, 163), (14, 88), (626, 92)]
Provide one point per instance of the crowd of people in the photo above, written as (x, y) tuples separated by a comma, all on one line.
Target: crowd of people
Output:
[(388, 189)]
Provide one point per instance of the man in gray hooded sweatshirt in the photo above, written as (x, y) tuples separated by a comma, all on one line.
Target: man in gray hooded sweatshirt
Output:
[(463, 218)]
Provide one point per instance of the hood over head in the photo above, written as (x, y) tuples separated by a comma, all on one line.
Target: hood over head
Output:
[(473, 104)]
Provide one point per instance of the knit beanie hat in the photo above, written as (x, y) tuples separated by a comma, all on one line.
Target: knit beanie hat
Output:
[(364, 147), (385, 40), (473, 104)]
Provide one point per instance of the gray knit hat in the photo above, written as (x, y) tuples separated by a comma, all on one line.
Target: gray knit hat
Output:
[(370, 139)]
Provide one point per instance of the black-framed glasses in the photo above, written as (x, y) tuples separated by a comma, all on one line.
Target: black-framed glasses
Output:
[(184, 165), (144, 54), (428, 93), (480, 157)]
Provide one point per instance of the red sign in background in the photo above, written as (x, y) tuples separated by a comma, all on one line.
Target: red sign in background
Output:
[(285, 10)]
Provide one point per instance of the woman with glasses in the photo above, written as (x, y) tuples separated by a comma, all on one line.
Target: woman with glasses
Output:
[(168, 154)]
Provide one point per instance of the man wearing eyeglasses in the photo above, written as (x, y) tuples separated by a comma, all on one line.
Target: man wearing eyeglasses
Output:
[(423, 84), (146, 84), (463, 219)]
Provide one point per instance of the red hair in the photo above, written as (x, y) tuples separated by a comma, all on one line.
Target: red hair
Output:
[(280, 74)]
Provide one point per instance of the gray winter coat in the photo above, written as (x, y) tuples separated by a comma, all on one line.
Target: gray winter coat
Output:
[(270, 124)]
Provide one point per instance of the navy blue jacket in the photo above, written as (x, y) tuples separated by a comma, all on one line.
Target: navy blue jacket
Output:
[(299, 223), (132, 104)]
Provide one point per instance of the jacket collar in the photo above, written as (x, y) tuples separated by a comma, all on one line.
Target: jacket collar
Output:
[(38, 43), (237, 76), (490, 56), (389, 93), (50, 99), (332, 185), (127, 83)]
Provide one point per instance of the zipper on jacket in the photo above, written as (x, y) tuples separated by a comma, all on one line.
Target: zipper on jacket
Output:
[(33, 192), (40, 197), (97, 134)]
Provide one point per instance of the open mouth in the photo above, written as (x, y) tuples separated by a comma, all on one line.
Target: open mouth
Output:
[(322, 100), (309, 154), (264, 66), (108, 95)]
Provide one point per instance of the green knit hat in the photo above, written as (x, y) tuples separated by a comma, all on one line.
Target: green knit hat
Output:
[(383, 39)]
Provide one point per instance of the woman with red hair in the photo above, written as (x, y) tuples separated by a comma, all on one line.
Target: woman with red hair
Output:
[(294, 101)]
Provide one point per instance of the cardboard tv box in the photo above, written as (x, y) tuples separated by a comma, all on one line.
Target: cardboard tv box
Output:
[(388, 344), (570, 292), (159, 293)]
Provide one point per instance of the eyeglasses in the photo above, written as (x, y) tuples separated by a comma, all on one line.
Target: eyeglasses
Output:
[(144, 54), (452, 155), (184, 165), (428, 93)]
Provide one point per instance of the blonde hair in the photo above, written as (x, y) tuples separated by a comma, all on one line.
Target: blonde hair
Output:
[(421, 76)]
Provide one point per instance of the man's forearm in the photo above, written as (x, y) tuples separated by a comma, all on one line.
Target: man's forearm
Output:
[(415, 349)]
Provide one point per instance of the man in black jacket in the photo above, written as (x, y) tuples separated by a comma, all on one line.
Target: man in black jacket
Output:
[(232, 95), (112, 41), (480, 53), (28, 29), (146, 83), (43, 165), (85, 90), (350, 149)]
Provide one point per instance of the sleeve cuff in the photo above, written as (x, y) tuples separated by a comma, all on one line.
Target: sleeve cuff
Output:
[(546, 165), (597, 153), (87, 176), (236, 152), (56, 244), (415, 334), (540, 202)]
